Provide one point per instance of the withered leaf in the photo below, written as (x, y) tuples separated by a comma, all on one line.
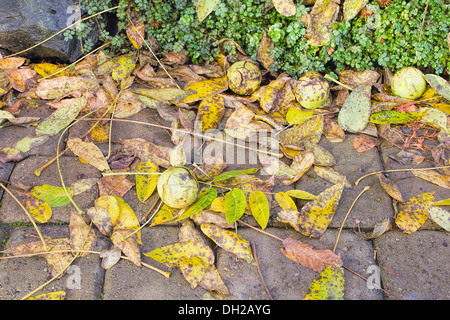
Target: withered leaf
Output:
[(363, 142), (128, 244), (390, 187), (305, 255), (414, 212)]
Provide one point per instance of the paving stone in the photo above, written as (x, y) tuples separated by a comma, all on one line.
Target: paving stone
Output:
[(11, 134), (414, 266), (373, 206), (19, 276), (287, 280), (5, 172), (126, 281), (72, 170), (409, 185)]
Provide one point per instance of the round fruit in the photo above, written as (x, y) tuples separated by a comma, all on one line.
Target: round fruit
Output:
[(408, 83), (244, 77), (312, 90), (177, 187)]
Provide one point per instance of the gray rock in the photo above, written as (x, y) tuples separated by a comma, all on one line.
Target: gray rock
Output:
[(24, 23)]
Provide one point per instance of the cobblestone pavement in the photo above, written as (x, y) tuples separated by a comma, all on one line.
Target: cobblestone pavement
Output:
[(413, 266)]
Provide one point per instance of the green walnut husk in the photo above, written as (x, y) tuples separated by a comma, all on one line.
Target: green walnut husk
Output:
[(177, 187), (244, 78), (408, 83), (312, 90)]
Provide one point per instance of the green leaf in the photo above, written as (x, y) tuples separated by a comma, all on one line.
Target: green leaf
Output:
[(235, 203), (202, 203), (259, 206), (439, 84), (330, 285), (146, 183), (394, 117), (204, 8), (231, 174), (53, 196), (355, 112), (300, 194)]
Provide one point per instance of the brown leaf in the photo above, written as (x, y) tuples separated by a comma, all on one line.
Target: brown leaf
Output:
[(263, 55), (305, 255), (128, 244), (117, 185), (211, 167), (22, 79), (82, 236), (433, 177), (363, 142), (102, 219), (332, 131), (148, 151), (390, 187)]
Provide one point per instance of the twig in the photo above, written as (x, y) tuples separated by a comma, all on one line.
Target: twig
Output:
[(259, 270), (339, 83), (262, 231), (346, 216), (398, 170), (423, 21), (28, 215)]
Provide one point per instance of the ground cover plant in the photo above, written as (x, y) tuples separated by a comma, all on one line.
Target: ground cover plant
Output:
[(242, 102)]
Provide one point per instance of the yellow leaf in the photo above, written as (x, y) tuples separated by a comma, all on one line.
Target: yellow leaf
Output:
[(210, 112), (111, 205), (316, 215), (218, 204), (193, 270), (285, 201), (433, 177), (414, 212), (259, 206), (311, 130), (146, 183), (323, 15), (300, 194), (46, 69), (352, 8), (170, 255), (55, 295), (204, 8), (264, 49), (89, 152), (127, 218), (330, 285), (205, 89), (229, 241), (285, 7), (136, 32)]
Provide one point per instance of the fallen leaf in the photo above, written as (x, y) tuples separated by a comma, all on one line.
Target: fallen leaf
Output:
[(355, 113), (40, 210), (211, 217), (52, 195), (235, 203), (211, 167), (204, 8), (439, 84), (205, 89), (330, 285), (146, 183), (394, 117), (332, 131), (229, 241), (50, 89), (305, 255), (22, 79), (311, 130), (127, 219), (110, 257), (102, 220), (317, 214), (202, 203), (363, 143), (89, 152), (378, 229), (323, 15), (352, 8), (408, 156), (210, 112), (136, 32), (264, 49), (128, 244), (433, 177), (62, 117), (390, 187), (285, 201), (440, 216), (82, 236), (55, 295), (145, 150), (301, 164), (300, 194), (331, 175), (259, 206), (170, 255), (414, 212), (193, 270)]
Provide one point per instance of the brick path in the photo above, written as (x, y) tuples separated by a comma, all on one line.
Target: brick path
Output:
[(411, 266)]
